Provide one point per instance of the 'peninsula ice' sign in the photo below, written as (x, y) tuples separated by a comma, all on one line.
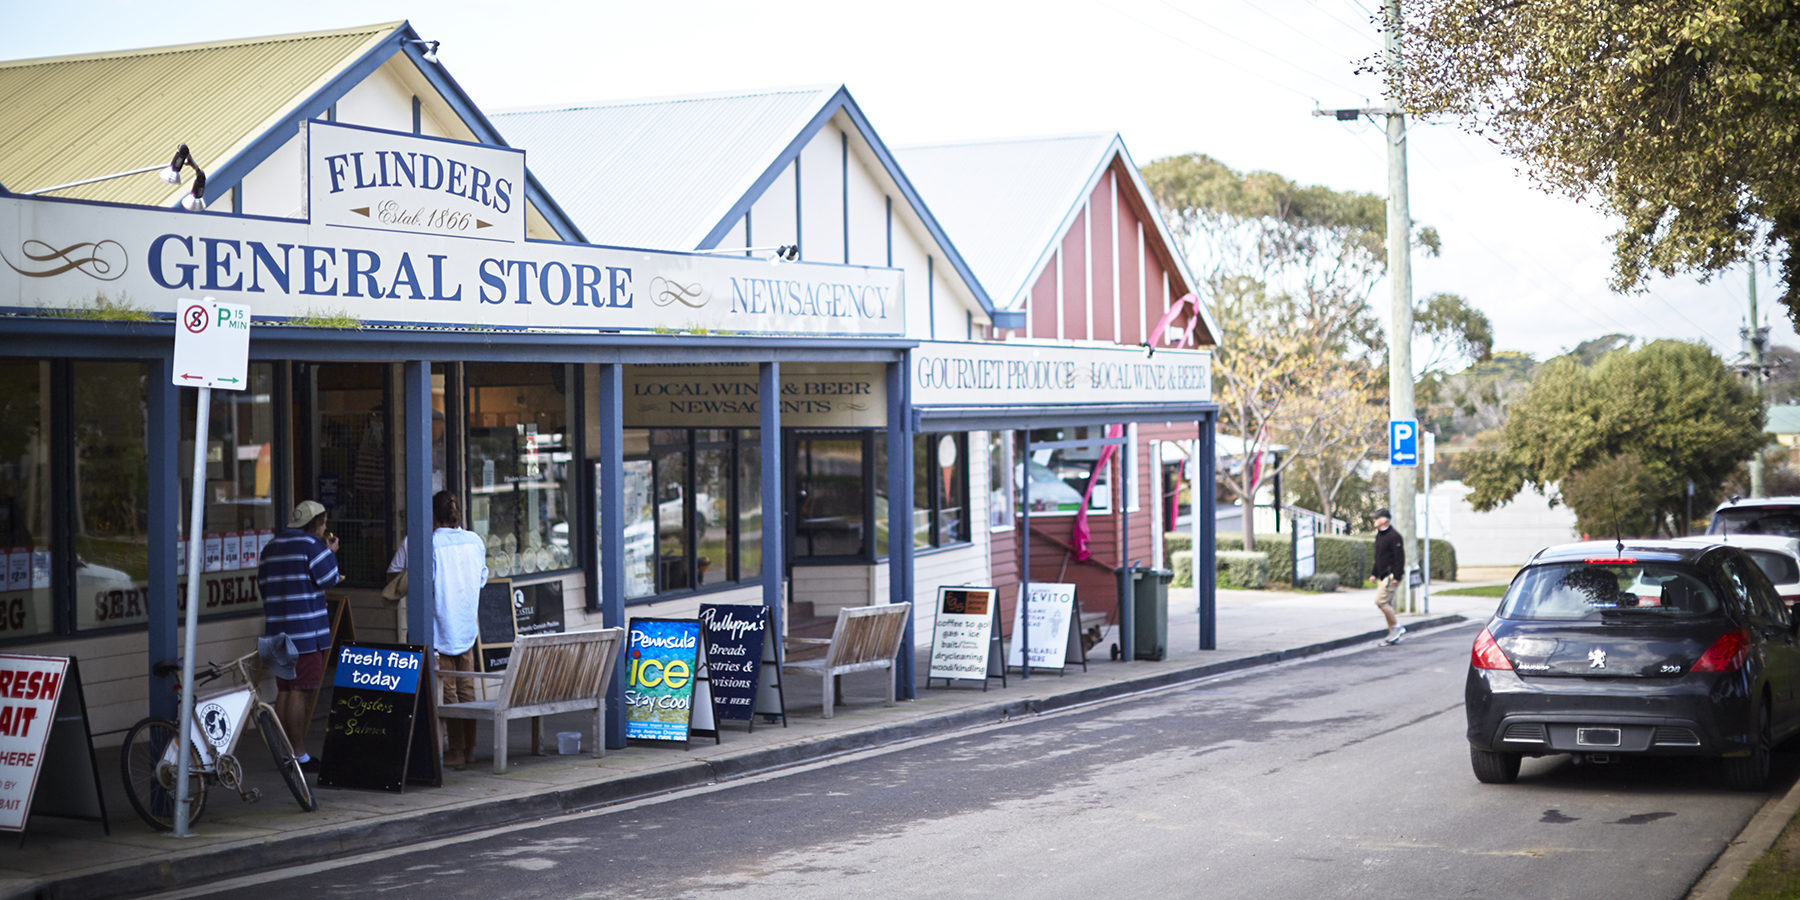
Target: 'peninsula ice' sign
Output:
[(373, 179)]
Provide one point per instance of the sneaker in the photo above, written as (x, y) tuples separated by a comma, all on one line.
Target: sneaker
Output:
[(311, 764), (1394, 636)]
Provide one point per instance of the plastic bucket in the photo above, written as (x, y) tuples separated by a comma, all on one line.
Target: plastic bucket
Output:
[(568, 743)]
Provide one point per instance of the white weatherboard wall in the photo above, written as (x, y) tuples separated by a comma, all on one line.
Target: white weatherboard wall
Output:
[(1506, 536), (382, 100), (827, 187)]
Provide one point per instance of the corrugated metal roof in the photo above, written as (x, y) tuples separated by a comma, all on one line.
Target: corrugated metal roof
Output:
[(74, 117), (659, 172), (1005, 202)]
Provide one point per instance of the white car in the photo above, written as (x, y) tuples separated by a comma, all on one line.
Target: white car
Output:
[(1778, 557)]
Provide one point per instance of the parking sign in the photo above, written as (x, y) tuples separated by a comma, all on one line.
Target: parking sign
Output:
[(1403, 442), (212, 344)]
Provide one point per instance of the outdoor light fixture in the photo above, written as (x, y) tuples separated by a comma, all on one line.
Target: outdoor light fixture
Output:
[(777, 255), (431, 48), (195, 201), (170, 173)]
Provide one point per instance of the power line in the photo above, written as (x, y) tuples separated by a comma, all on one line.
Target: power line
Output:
[(1289, 26), (1207, 53), (1298, 68)]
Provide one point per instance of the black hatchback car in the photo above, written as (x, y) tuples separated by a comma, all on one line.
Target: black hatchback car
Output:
[(1607, 649)]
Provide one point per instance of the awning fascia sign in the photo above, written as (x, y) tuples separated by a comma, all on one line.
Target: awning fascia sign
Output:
[(64, 255), (1028, 374)]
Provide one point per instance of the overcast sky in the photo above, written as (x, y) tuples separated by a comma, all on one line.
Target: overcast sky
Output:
[(1235, 79)]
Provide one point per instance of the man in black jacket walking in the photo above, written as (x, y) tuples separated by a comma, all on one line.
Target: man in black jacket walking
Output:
[(1390, 567)]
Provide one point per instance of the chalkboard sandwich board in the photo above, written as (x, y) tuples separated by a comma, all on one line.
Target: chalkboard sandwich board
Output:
[(375, 717)]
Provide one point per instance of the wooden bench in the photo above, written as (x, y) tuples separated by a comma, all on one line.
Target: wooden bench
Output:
[(866, 637), (547, 674)]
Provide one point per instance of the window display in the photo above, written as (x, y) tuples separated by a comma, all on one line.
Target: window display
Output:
[(940, 489), (699, 492), (520, 446), (239, 516)]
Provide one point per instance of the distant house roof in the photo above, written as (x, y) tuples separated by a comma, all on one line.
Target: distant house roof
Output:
[(678, 172), (1784, 418), (233, 103), (1008, 202)]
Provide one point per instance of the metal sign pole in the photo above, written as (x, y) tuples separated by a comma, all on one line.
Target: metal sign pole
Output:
[(196, 515)]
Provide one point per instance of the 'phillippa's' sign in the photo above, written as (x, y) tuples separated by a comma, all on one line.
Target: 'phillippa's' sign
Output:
[(368, 178)]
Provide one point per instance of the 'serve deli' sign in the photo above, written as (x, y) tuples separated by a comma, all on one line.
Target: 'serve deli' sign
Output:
[(1016, 373), (448, 251)]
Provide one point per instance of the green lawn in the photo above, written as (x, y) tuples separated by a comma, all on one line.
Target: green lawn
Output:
[(1491, 590)]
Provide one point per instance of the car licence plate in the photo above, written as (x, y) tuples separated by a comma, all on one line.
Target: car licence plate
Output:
[(1597, 737)]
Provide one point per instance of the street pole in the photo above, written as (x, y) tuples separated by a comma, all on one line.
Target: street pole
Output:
[(1754, 336), (1401, 489), (1402, 480), (191, 624)]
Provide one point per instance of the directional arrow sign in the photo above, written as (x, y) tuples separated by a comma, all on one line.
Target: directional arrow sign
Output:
[(212, 344)]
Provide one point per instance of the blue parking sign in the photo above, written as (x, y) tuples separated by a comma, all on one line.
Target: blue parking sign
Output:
[(1403, 442)]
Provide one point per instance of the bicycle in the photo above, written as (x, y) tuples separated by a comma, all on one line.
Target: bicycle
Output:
[(151, 767)]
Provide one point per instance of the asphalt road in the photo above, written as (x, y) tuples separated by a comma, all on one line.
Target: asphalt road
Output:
[(1344, 776)]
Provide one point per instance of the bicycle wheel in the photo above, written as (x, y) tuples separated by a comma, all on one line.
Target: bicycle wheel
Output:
[(285, 763), (150, 777)]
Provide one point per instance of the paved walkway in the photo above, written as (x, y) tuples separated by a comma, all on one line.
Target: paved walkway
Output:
[(64, 858)]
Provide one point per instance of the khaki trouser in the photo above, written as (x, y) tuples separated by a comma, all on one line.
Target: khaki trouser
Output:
[(461, 732), (1384, 599)]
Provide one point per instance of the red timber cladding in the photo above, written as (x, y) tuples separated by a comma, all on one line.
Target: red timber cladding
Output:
[(1074, 294), (1095, 585), (1104, 311), (1133, 296), (1109, 255)]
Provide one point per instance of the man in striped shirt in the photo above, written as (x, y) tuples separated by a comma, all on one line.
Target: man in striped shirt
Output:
[(297, 566)]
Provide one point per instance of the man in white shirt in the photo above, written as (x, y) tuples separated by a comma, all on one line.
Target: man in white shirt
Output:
[(458, 570)]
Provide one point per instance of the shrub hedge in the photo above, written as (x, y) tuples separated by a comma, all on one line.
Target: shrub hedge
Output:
[(1350, 557), (1239, 569)]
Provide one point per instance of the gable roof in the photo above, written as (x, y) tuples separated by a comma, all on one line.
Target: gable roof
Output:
[(679, 172), (1010, 201), (232, 102)]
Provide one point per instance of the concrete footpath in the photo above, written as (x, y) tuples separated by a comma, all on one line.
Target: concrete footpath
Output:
[(66, 858)]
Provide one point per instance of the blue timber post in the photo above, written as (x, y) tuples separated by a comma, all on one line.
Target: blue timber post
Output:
[(420, 592), (611, 519), (774, 525), (165, 529), (1206, 555), (900, 540)]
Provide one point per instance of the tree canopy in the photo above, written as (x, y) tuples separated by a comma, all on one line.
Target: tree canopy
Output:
[(1623, 437), (1679, 116)]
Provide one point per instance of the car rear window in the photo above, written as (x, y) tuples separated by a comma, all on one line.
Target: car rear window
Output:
[(1780, 567), (1781, 521), (1574, 591)]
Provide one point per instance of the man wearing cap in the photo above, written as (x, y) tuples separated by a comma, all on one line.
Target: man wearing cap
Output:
[(1390, 565), (297, 566)]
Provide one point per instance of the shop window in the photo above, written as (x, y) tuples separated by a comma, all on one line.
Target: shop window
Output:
[(238, 494), (352, 470), (25, 498), (1059, 476), (1000, 481), (940, 489), (693, 509), (112, 494), (830, 512), (520, 446)]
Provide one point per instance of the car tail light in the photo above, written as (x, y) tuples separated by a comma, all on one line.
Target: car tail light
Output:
[(1612, 561), (1726, 654), (1487, 655)]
